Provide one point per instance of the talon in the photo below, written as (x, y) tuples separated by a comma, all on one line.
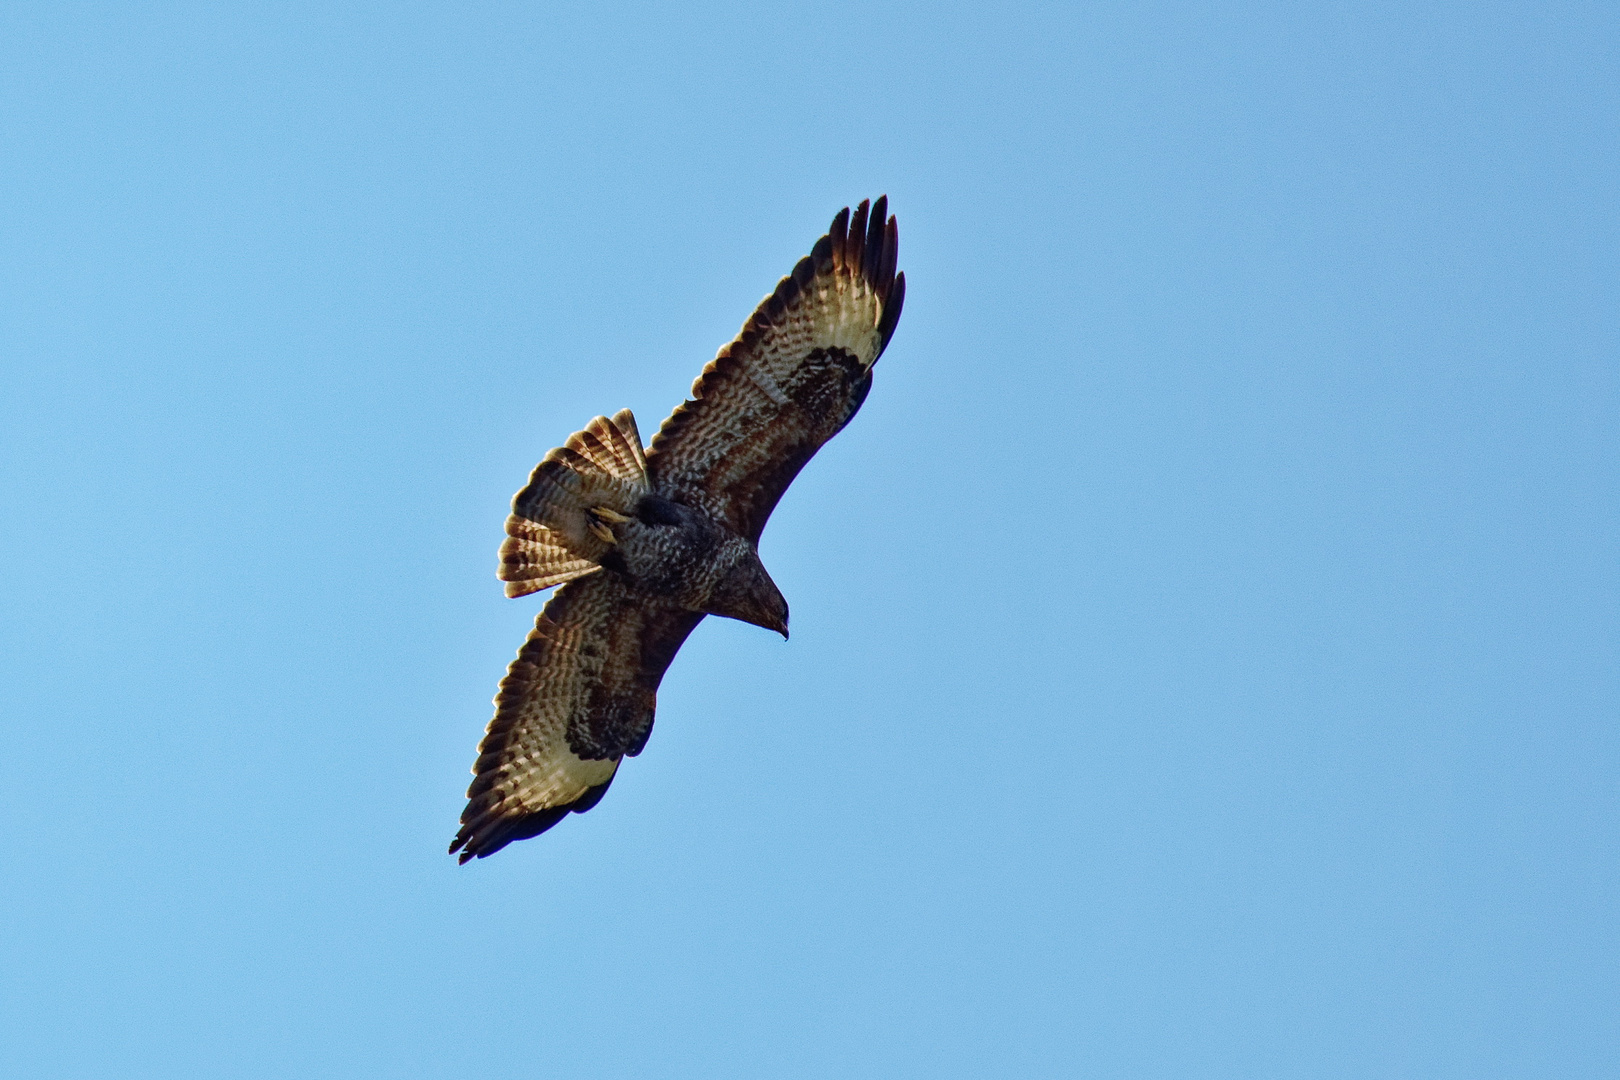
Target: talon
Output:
[(601, 532), (607, 513)]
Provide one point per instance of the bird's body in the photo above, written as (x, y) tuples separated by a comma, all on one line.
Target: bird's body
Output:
[(647, 542), (679, 553)]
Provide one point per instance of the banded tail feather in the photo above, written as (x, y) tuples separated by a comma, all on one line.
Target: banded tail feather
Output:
[(534, 558), (562, 522)]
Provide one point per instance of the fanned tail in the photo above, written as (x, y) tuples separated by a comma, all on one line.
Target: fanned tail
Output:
[(563, 521)]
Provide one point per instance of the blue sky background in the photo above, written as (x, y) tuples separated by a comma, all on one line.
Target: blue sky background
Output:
[(1205, 640)]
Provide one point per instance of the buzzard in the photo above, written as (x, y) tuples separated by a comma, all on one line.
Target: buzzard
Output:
[(645, 542)]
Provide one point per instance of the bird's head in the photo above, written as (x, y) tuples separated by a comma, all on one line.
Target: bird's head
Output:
[(746, 592)]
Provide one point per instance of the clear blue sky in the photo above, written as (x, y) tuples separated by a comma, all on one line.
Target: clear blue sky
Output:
[(1205, 639)]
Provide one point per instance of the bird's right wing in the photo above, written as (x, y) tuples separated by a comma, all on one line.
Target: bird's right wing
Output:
[(790, 380), (578, 698)]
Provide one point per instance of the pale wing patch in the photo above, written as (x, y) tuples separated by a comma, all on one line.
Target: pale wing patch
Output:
[(536, 767), (835, 311)]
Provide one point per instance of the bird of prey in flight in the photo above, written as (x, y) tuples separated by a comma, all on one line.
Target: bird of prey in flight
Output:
[(645, 542)]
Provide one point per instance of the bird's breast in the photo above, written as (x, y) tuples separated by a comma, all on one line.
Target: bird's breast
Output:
[(674, 561)]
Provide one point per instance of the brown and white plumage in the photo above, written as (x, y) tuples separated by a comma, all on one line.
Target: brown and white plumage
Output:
[(645, 544)]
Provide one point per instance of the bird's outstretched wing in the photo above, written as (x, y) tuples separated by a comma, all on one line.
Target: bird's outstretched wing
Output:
[(578, 698), (790, 380)]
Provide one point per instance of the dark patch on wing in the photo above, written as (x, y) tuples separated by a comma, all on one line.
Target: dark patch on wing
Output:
[(611, 721), (822, 386), (618, 724)]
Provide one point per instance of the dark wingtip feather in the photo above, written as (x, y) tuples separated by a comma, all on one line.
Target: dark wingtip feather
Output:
[(821, 255), (891, 312), (891, 255), (872, 255), (775, 307), (855, 245), (484, 838), (787, 290), (838, 237), (840, 225)]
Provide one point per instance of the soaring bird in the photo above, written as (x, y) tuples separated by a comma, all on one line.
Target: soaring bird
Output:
[(646, 542)]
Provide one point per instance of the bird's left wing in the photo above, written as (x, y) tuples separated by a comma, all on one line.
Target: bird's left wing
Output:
[(792, 378), (578, 698)]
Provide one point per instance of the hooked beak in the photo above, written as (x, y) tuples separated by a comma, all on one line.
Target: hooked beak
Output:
[(774, 617), (768, 608), (763, 617), (748, 594)]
